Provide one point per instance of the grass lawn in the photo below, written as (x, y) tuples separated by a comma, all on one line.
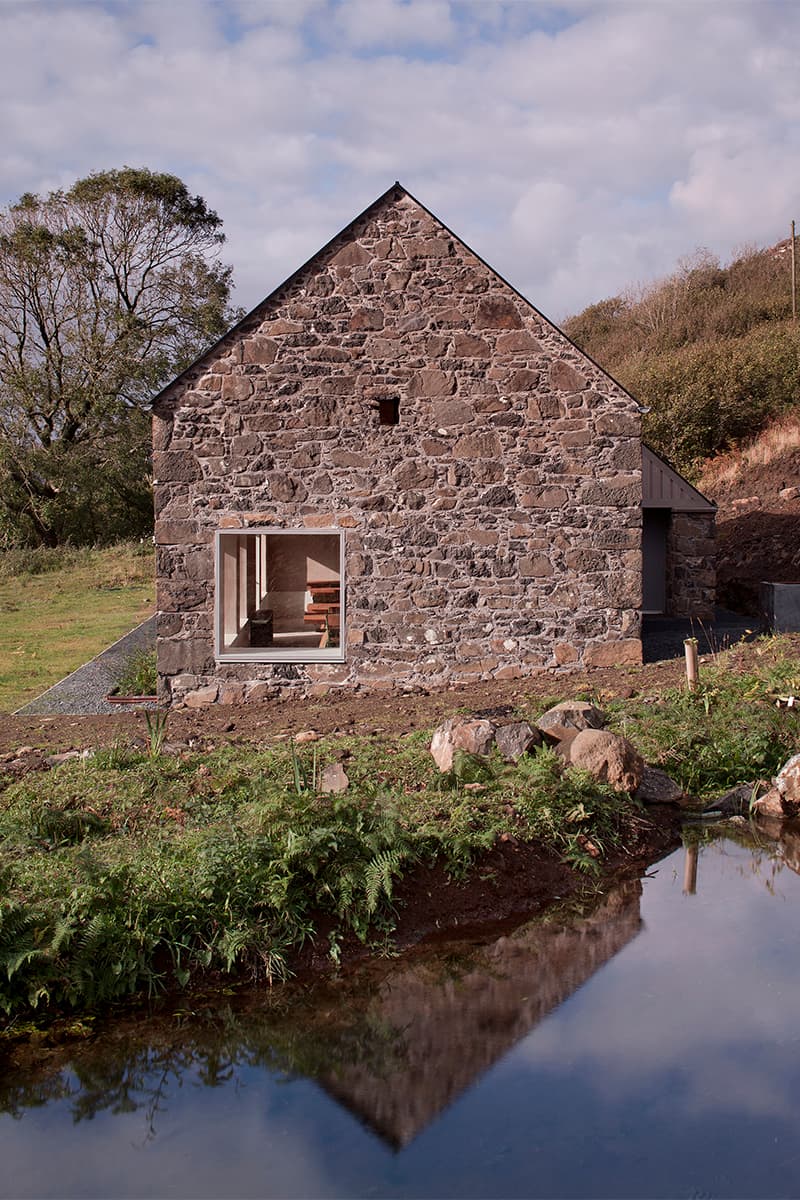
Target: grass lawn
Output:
[(60, 608)]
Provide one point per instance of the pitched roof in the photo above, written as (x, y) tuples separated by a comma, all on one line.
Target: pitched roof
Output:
[(663, 487), (688, 499), (393, 193)]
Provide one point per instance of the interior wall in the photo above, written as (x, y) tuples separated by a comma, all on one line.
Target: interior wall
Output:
[(291, 561)]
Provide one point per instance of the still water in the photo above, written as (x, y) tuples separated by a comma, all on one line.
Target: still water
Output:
[(647, 1044)]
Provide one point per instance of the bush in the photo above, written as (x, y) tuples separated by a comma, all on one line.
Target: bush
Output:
[(139, 676)]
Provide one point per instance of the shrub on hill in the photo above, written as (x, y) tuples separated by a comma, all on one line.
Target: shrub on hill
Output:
[(710, 349)]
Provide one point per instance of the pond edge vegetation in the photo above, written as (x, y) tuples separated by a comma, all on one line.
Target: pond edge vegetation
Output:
[(138, 870)]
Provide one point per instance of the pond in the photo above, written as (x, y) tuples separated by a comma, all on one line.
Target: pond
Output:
[(646, 1043)]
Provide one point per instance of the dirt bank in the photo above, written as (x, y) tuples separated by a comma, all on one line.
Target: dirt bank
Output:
[(392, 713)]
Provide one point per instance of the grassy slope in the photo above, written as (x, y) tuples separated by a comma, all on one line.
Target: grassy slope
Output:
[(53, 621)]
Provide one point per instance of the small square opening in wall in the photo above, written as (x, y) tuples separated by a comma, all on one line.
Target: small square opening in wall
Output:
[(279, 596), (389, 410)]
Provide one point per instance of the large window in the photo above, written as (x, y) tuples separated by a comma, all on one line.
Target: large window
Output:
[(280, 596)]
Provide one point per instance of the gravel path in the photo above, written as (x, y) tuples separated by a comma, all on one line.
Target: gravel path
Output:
[(84, 691)]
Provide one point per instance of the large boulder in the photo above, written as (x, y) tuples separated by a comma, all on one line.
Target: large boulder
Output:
[(610, 758), (515, 739), (657, 787), (563, 719), (783, 799), (461, 733)]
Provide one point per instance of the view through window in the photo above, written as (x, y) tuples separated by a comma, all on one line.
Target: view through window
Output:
[(279, 595)]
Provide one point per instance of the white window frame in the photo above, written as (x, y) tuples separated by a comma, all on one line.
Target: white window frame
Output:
[(263, 654)]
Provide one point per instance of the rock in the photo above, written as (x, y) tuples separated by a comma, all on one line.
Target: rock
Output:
[(787, 781), (610, 758), (55, 760), (563, 745), (789, 493), (783, 799), (658, 788), (737, 802), (770, 805), (460, 733), (201, 697), (570, 714), (333, 779), (516, 739)]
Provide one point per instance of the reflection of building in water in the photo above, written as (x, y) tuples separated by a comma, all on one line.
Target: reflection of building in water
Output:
[(449, 1026), (395, 1053)]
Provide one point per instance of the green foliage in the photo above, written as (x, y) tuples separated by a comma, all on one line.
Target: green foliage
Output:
[(706, 398), (156, 723), (726, 732), (709, 349), (129, 871), (106, 291), (139, 675), (62, 605)]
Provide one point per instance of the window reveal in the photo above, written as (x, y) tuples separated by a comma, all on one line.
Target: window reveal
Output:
[(279, 596)]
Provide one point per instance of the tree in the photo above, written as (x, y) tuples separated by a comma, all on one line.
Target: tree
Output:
[(107, 291)]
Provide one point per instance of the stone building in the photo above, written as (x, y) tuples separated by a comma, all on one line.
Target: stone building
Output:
[(395, 472)]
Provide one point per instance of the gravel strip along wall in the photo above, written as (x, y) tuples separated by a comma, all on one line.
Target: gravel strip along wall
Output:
[(84, 692)]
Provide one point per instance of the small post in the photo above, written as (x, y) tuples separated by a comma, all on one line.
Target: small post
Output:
[(794, 278), (690, 871), (692, 666)]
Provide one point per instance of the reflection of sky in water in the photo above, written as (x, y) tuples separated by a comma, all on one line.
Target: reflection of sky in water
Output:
[(674, 1071)]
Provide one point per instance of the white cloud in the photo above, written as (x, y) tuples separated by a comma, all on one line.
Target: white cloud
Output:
[(578, 147)]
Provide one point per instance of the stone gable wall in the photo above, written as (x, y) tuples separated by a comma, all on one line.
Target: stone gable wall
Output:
[(495, 531)]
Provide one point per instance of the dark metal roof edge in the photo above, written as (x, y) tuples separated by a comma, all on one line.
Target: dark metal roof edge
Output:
[(711, 503)]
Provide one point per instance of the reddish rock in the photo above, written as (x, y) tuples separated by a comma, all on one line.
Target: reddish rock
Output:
[(498, 312), (333, 779), (610, 758), (460, 733), (564, 378)]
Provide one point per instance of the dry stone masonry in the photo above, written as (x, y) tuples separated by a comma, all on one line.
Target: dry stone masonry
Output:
[(494, 531)]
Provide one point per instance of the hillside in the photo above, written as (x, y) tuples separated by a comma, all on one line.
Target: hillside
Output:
[(757, 489), (711, 349)]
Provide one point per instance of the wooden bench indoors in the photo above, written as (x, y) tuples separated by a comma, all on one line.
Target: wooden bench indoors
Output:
[(324, 610)]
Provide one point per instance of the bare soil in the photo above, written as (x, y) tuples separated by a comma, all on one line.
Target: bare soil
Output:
[(758, 531), (361, 715)]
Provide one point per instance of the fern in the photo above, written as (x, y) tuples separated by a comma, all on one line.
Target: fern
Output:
[(378, 877)]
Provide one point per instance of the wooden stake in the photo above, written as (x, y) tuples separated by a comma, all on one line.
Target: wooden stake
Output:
[(794, 279), (690, 871), (692, 666)]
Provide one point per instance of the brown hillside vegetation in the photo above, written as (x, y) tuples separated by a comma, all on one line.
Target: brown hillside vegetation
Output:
[(711, 349), (757, 489)]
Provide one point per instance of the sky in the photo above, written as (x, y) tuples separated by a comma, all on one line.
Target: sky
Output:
[(581, 148)]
